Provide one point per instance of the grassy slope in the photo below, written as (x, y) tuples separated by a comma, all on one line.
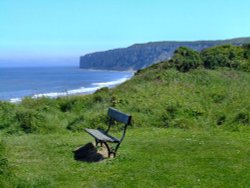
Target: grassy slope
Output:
[(206, 143), (199, 99)]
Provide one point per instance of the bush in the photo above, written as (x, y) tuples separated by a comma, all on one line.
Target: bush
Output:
[(243, 118), (7, 114), (67, 105), (96, 119), (245, 65), (101, 94), (32, 121), (223, 56), (246, 47), (185, 59), (29, 120), (77, 124)]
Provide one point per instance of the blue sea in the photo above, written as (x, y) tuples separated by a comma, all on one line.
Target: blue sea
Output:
[(16, 83)]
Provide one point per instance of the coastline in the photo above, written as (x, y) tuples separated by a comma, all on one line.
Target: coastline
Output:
[(107, 70), (77, 91)]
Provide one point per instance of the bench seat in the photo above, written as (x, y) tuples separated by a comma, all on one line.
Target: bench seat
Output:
[(102, 136)]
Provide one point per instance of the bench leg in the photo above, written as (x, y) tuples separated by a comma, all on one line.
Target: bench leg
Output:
[(97, 142), (116, 148), (108, 148)]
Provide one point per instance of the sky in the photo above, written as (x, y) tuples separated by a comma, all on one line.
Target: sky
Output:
[(46, 32)]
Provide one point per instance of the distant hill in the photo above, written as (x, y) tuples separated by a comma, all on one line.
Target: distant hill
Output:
[(139, 56)]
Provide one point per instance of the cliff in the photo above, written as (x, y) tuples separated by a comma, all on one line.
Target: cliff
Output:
[(139, 56)]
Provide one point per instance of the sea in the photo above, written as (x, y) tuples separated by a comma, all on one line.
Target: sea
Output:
[(35, 82)]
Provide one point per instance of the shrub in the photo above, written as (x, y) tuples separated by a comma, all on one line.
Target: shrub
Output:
[(223, 56), (246, 47), (67, 105), (32, 121), (101, 94), (7, 114), (185, 59), (245, 65), (77, 124), (96, 119), (29, 120), (243, 118), (221, 119), (102, 90)]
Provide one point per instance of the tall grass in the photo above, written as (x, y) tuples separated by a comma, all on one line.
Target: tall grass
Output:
[(7, 179), (198, 99)]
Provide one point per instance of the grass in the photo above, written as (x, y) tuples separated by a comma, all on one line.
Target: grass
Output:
[(189, 130), (154, 157)]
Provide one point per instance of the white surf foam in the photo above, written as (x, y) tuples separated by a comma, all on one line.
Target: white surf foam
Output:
[(81, 90), (15, 100), (66, 93), (112, 83)]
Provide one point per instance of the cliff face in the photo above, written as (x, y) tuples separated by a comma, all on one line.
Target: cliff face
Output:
[(142, 55)]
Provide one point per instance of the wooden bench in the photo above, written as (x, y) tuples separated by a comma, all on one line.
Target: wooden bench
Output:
[(103, 136)]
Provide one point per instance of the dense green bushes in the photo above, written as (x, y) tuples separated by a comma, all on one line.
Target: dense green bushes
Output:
[(7, 114), (185, 59), (224, 56), (246, 48), (234, 57)]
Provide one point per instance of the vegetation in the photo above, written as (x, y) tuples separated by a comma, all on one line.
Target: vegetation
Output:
[(6, 177), (185, 59), (189, 129), (227, 56)]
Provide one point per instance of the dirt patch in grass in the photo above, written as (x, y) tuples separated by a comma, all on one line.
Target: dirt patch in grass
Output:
[(90, 153)]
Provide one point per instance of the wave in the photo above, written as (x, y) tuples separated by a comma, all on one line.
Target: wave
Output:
[(15, 100), (112, 83), (66, 93), (80, 90)]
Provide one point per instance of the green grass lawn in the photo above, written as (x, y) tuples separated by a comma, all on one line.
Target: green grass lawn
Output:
[(148, 157)]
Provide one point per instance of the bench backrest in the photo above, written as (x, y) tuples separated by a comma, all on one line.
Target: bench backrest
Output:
[(119, 116)]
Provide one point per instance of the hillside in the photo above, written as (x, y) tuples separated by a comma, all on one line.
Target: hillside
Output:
[(139, 56), (191, 125)]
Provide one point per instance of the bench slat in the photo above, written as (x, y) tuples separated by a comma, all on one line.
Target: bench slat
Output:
[(119, 116), (101, 135)]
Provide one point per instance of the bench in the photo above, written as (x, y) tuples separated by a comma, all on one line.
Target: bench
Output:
[(103, 136)]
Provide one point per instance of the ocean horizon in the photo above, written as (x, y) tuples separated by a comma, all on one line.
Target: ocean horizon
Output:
[(35, 82)]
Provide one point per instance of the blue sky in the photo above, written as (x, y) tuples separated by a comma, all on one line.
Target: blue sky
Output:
[(39, 32)]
